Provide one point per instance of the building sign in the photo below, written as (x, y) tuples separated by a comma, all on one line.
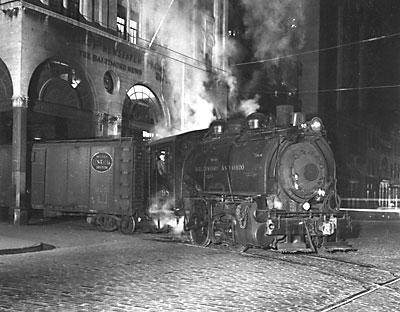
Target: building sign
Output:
[(110, 63), (104, 51), (101, 162), (101, 50)]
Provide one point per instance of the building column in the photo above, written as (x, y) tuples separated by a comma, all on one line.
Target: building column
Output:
[(19, 210)]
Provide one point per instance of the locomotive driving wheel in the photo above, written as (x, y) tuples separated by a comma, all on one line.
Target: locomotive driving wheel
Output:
[(197, 221), (199, 226), (200, 235)]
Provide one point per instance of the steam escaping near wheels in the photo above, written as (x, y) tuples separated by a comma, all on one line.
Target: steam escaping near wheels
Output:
[(162, 212)]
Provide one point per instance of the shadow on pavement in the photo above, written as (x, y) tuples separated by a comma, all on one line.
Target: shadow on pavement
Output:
[(34, 248)]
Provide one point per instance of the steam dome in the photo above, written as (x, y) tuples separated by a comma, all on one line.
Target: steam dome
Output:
[(256, 121)]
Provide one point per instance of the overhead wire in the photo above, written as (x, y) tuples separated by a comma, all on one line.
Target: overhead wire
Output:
[(318, 50), (325, 90), (340, 46)]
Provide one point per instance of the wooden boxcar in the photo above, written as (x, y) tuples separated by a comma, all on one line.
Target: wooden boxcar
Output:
[(104, 179)]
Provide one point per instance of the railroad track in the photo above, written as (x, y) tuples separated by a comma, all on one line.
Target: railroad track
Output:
[(360, 294), (371, 277)]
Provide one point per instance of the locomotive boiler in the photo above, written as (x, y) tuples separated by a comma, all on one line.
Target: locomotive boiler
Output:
[(253, 182)]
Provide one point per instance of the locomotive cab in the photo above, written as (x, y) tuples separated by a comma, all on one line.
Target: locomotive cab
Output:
[(167, 155)]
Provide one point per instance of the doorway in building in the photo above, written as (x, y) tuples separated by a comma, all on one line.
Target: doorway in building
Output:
[(6, 125), (6, 113), (61, 102), (141, 112)]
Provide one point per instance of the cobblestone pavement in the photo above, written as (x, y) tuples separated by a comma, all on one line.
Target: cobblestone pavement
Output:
[(147, 272)]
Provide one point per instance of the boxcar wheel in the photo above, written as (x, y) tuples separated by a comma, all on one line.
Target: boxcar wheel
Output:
[(127, 225), (106, 223)]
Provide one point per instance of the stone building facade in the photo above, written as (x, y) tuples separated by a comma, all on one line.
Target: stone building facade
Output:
[(78, 69)]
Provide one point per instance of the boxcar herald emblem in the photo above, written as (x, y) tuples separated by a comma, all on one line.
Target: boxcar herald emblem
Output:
[(101, 162)]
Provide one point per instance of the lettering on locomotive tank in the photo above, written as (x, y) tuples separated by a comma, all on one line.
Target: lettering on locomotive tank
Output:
[(239, 167), (222, 168), (101, 162), (206, 168)]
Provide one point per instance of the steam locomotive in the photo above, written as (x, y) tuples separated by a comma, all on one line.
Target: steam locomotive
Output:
[(253, 182)]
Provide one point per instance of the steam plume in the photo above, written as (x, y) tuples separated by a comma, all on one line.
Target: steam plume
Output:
[(190, 107), (275, 26)]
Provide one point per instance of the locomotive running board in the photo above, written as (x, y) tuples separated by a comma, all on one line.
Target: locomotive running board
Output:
[(338, 246)]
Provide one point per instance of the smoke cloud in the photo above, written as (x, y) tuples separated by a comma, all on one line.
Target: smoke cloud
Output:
[(188, 101), (275, 27), (273, 34), (250, 105)]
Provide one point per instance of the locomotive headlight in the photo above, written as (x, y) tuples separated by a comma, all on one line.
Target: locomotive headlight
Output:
[(270, 227), (316, 124), (306, 206)]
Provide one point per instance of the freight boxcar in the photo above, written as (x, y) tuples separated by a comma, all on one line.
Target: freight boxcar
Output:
[(104, 179)]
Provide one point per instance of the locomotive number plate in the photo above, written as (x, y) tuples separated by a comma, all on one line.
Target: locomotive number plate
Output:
[(101, 162)]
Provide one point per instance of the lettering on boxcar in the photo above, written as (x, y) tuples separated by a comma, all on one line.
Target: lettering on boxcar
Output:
[(101, 162)]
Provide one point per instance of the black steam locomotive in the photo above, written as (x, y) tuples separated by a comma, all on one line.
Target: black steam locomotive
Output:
[(253, 182)]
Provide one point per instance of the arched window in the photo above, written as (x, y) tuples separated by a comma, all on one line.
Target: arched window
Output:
[(61, 102), (141, 111)]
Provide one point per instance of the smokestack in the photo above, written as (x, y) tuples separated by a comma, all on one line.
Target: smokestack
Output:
[(283, 115)]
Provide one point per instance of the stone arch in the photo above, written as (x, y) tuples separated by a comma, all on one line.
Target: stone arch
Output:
[(142, 111), (61, 102), (6, 115)]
